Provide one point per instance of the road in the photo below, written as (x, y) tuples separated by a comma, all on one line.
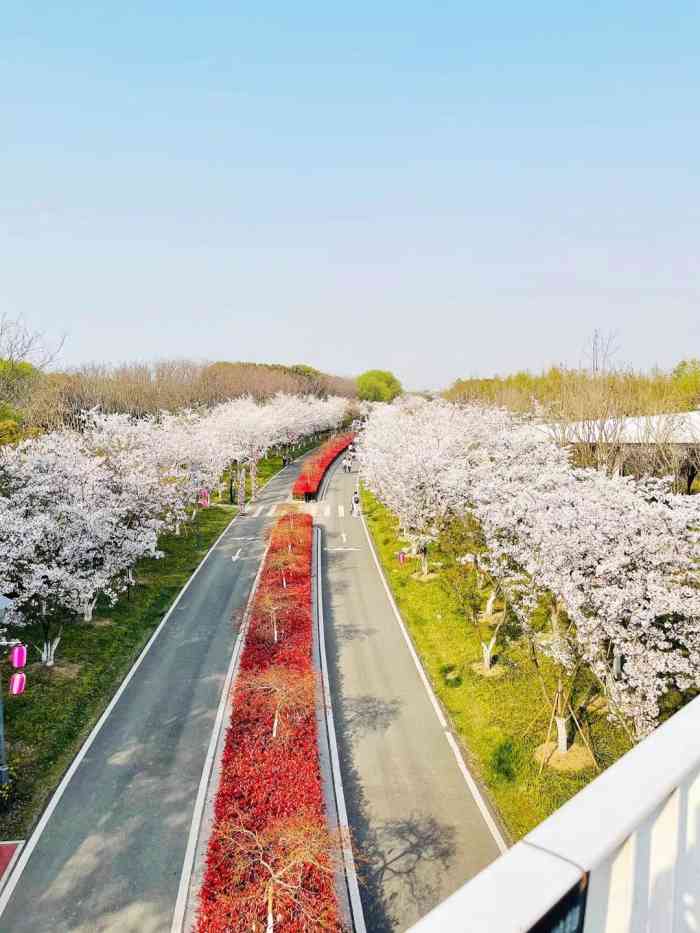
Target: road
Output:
[(111, 855), (418, 828)]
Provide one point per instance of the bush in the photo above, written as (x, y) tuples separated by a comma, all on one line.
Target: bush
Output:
[(269, 820), (504, 761), (315, 468)]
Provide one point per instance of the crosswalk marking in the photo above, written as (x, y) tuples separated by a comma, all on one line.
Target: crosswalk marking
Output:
[(341, 511)]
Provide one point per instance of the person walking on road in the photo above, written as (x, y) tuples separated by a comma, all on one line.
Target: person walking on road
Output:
[(356, 504)]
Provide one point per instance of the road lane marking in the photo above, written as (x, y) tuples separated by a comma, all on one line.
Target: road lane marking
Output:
[(343, 536), (258, 511), (236, 555), (342, 548), (272, 511), (326, 511), (471, 783), (341, 511)]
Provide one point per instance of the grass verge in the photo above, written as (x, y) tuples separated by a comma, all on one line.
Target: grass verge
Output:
[(500, 720), (46, 726)]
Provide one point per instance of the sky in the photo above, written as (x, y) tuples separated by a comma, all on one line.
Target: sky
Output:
[(440, 189)]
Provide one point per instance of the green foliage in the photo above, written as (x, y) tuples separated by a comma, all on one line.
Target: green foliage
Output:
[(10, 424), (378, 385), (490, 715), (579, 393), (504, 761)]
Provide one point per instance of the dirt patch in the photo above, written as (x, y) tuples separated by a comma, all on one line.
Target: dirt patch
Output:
[(578, 758), (101, 623), (495, 671), (598, 705), (423, 578), (65, 670)]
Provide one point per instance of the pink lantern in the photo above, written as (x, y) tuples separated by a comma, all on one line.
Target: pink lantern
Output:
[(18, 655), (17, 684)]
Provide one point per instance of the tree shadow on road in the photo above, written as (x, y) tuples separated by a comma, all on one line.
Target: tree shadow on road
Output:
[(365, 714), (407, 859)]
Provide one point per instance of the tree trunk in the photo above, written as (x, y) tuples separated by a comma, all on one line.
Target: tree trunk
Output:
[(424, 561), (491, 602), (88, 609), (241, 490), (487, 653), (177, 529), (270, 916), (275, 724), (48, 652), (253, 479), (562, 734), (617, 665)]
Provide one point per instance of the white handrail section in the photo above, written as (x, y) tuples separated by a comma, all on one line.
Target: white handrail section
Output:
[(633, 834)]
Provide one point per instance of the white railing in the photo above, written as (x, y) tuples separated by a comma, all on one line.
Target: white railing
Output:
[(626, 850)]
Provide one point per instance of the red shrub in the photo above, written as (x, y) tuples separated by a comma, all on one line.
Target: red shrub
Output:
[(270, 849), (314, 469)]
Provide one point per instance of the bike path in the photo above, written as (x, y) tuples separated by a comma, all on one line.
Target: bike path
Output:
[(419, 830)]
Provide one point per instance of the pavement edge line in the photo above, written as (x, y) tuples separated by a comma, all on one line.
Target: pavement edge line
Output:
[(468, 778)]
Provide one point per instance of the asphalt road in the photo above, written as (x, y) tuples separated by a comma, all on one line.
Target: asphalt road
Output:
[(111, 854), (419, 831)]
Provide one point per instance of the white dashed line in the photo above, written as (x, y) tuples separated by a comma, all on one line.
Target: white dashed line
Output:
[(258, 511), (341, 511)]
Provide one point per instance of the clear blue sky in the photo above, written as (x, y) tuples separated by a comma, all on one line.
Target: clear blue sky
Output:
[(440, 189)]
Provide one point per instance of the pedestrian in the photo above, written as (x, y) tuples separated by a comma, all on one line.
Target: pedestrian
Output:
[(355, 504)]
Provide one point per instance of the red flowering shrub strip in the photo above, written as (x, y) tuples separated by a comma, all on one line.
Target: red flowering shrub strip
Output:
[(269, 804), (315, 467)]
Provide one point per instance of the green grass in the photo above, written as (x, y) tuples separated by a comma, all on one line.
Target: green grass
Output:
[(499, 721), (46, 726)]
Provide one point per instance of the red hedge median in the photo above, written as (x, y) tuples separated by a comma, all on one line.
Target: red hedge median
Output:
[(270, 857), (314, 469)]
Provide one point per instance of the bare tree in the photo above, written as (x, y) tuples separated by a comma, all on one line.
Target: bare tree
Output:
[(281, 873)]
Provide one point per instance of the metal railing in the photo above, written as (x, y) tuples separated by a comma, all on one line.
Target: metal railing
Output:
[(622, 856)]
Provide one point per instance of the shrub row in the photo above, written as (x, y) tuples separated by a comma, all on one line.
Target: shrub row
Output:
[(314, 469), (271, 861)]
